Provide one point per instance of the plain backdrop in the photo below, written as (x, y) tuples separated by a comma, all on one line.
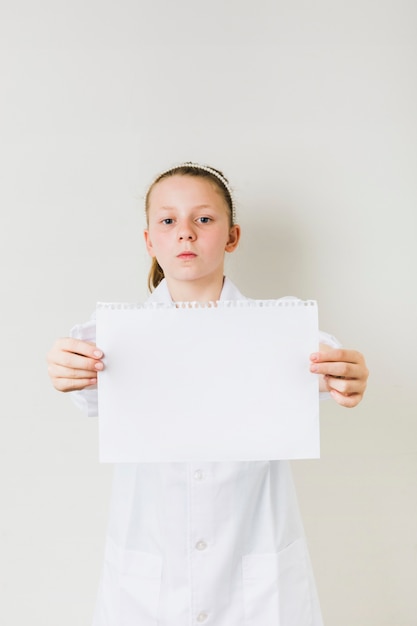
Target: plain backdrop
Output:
[(310, 110)]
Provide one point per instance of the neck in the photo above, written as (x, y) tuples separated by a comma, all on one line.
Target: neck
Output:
[(191, 291)]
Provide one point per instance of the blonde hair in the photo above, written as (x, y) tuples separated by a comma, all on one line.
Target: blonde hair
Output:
[(156, 273)]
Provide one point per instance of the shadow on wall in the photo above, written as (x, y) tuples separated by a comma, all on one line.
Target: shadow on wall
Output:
[(275, 257)]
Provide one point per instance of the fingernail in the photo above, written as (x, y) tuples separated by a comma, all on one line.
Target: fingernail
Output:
[(98, 353), (99, 365), (314, 356)]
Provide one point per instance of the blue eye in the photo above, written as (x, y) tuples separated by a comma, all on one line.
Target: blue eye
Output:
[(205, 220), (167, 221)]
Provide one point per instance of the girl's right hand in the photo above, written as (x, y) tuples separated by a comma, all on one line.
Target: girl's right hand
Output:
[(73, 364)]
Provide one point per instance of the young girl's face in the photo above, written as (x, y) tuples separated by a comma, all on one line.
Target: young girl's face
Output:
[(189, 230)]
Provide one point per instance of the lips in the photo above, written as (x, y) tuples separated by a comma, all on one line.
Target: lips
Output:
[(186, 255)]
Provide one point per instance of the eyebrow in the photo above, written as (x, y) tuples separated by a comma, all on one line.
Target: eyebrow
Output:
[(198, 206)]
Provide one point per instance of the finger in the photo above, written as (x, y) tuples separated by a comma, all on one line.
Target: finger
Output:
[(342, 385), (336, 369), (337, 355), (76, 346), (60, 371), (77, 362), (73, 384), (348, 401), (74, 361)]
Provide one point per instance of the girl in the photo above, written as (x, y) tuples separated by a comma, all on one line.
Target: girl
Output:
[(201, 543)]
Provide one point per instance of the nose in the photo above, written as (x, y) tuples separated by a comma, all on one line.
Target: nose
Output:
[(186, 232)]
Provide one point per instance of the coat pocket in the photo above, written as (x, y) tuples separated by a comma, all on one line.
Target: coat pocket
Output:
[(276, 588), (131, 586)]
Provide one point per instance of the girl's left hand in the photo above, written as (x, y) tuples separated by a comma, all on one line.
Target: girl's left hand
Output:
[(343, 373)]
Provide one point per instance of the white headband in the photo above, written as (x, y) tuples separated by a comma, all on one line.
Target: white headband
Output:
[(204, 168)]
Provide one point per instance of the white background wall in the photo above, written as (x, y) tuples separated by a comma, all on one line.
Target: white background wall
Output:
[(310, 110)]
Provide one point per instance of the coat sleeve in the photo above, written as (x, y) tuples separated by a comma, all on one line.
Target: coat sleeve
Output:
[(86, 399)]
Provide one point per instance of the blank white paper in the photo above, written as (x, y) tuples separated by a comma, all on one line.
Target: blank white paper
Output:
[(229, 382)]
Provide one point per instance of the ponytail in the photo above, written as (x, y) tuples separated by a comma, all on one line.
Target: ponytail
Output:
[(156, 275)]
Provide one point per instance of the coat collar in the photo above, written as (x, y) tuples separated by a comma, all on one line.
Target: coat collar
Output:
[(229, 292)]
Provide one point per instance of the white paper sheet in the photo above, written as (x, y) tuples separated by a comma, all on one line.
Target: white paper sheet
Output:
[(223, 383)]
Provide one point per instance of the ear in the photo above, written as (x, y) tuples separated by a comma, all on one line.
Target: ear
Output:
[(148, 243), (234, 237)]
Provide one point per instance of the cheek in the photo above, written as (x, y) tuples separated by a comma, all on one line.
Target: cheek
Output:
[(158, 243)]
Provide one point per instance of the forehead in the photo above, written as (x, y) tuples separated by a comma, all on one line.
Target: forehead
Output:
[(183, 189)]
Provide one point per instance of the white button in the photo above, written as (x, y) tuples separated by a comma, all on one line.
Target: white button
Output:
[(198, 475), (201, 545), (201, 617)]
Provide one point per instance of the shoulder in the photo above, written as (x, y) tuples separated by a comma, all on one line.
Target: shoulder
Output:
[(230, 291), (160, 294)]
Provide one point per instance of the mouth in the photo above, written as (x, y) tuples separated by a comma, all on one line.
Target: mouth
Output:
[(186, 256)]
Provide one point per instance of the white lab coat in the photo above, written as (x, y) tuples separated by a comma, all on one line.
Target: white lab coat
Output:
[(203, 543)]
